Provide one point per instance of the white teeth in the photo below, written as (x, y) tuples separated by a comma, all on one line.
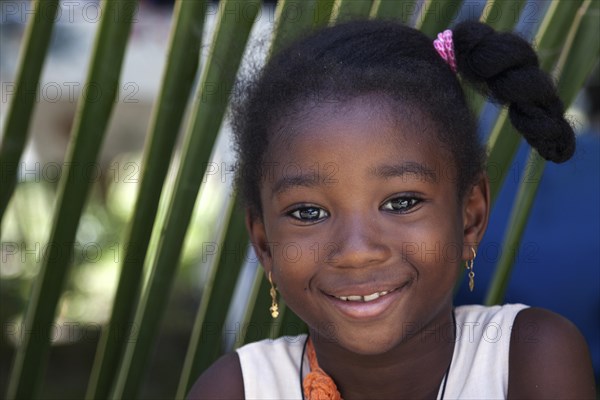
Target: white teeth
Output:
[(369, 297)]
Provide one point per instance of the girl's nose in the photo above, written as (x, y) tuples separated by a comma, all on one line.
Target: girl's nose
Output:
[(358, 242)]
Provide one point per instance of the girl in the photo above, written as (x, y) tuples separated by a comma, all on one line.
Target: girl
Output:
[(356, 148)]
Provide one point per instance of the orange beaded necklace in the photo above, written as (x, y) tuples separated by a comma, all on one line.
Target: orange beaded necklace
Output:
[(317, 384)]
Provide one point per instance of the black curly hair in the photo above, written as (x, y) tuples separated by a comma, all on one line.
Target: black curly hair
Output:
[(386, 58)]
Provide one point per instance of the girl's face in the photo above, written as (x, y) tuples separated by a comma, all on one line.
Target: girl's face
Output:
[(362, 226)]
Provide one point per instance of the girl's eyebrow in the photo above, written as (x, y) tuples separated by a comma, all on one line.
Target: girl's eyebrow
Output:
[(287, 182), (384, 171), (387, 171)]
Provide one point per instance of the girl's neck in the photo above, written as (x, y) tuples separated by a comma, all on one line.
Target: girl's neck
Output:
[(414, 368)]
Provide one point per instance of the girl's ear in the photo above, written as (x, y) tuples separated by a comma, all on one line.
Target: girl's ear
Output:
[(258, 237), (476, 211)]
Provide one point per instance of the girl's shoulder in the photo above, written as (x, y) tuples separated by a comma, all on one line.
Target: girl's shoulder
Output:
[(222, 380), (479, 314), (271, 360), (548, 358)]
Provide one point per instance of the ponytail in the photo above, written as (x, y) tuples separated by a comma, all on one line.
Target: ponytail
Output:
[(505, 68)]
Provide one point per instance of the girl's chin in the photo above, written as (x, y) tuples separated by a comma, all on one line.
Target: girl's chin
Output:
[(370, 349), (363, 341)]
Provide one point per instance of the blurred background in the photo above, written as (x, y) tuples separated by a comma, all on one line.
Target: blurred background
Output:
[(557, 266), (87, 300)]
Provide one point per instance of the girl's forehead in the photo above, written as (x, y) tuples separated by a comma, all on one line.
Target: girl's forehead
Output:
[(356, 122), (356, 139)]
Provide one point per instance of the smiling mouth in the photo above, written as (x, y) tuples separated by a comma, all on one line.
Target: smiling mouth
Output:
[(365, 306), (366, 298)]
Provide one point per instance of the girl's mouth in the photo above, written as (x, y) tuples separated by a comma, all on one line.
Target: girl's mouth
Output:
[(365, 299), (365, 307)]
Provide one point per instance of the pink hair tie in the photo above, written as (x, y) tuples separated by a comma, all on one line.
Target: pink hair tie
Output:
[(445, 48)]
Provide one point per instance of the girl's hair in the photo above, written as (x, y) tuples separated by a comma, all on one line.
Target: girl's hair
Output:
[(399, 63)]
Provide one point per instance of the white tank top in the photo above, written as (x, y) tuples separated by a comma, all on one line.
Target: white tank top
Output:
[(479, 370)]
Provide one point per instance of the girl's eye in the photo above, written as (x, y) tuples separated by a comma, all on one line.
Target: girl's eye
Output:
[(309, 214), (401, 204)]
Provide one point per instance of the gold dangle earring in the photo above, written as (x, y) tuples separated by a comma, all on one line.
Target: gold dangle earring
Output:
[(274, 307), (469, 265)]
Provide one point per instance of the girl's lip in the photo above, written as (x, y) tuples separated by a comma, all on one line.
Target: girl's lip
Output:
[(361, 310)]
